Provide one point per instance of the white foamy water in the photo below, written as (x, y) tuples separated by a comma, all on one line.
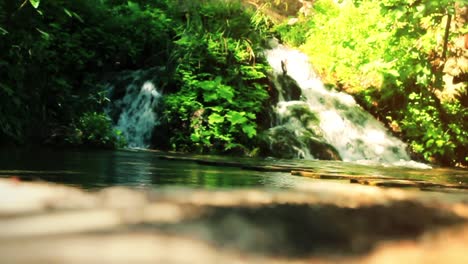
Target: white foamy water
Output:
[(356, 135), (137, 117)]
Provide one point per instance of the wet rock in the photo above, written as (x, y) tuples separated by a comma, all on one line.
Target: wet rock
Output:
[(294, 142)]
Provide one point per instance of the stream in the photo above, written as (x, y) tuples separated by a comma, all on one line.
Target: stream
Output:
[(313, 127), (93, 169)]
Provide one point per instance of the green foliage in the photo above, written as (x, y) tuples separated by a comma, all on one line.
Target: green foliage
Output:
[(295, 34), (349, 48), (95, 130), (219, 78), (392, 61), (431, 128), (54, 52), (424, 129)]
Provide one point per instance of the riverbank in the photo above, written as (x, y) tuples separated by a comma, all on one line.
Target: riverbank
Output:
[(320, 222)]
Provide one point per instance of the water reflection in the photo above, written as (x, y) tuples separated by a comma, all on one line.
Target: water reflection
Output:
[(94, 169)]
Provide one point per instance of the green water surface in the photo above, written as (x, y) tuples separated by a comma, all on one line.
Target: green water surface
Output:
[(95, 169)]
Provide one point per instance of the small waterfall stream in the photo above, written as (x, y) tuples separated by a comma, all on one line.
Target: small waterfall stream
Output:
[(334, 117), (312, 122), (136, 98)]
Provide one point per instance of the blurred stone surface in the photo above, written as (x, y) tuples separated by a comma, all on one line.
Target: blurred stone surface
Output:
[(321, 222)]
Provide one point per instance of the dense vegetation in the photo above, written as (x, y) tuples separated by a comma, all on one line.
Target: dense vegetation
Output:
[(54, 54), (219, 80), (391, 55)]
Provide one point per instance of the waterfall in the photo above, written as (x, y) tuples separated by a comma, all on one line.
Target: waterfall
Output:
[(334, 117), (134, 98)]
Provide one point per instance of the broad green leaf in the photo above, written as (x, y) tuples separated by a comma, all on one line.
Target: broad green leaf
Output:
[(226, 92), (249, 130), (210, 97), (215, 118), (440, 142), (217, 108), (35, 3), (237, 117), (207, 85), (133, 6), (251, 115), (429, 143), (195, 137)]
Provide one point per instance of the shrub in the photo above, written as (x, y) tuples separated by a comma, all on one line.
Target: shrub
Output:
[(219, 80), (95, 130)]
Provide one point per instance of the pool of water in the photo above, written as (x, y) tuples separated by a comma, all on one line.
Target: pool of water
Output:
[(96, 169)]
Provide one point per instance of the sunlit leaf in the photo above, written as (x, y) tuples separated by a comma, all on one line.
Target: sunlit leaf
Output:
[(251, 115), (67, 12), (393, 72), (226, 92), (215, 118), (210, 97), (133, 6), (249, 130), (217, 108), (237, 117), (429, 143), (195, 137), (35, 3), (440, 143)]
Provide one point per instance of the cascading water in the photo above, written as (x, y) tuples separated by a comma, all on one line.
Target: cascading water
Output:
[(312, 122), (335, 116), (133, 112)]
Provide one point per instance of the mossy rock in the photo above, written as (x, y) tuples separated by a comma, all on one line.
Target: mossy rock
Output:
[(284, 142)]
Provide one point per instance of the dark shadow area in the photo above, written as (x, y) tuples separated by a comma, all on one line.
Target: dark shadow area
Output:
[(299, 230)]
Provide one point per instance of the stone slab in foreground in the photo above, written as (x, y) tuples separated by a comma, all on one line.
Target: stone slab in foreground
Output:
[(322, 222)]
